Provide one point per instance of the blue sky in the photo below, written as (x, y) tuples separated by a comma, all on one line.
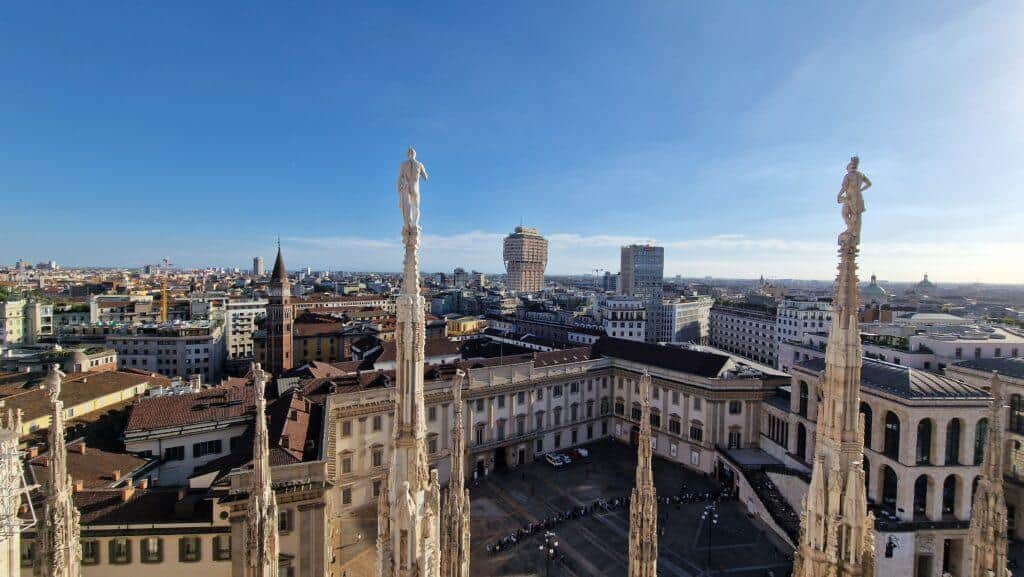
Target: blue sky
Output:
[(201, 131)]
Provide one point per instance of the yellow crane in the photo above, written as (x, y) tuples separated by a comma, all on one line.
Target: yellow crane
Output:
[(163, 291)]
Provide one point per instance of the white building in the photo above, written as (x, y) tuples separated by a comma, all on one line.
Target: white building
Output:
[(796, 316), (178, 349), (748, 331), (685, 320), (240, 318), (187, 431), (624, 317)]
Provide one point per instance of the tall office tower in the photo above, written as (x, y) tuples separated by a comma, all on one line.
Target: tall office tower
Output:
[(642, 271), (257, 266), (526, 257), (279, 319), (642, 276)]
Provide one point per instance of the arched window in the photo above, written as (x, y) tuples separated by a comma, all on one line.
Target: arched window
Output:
[(803, 399), (924, 442), (953, 442), (865, 409), (921, 496), (890, 487), (1017, 414), (980, 432), (801, 441), (950, 493), (620, 407), (867, 477), (892, 436)]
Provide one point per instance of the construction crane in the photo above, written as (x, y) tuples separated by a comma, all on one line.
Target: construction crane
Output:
[(163, 290)]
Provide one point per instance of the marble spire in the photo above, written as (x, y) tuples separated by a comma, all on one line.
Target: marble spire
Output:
[(12, 491), (413, 508), (261, 539), (455, 518), (836, 530), (987, 538), (60, 551), (643, 504)]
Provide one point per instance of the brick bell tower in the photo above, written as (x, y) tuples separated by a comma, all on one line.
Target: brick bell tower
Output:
[(279, 319)]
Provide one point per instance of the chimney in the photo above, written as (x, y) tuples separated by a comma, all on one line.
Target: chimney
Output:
[(126, 493), (116, 474), (79, 486), (144, 484)]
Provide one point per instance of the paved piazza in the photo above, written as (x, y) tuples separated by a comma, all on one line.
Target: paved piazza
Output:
[(598, 543)]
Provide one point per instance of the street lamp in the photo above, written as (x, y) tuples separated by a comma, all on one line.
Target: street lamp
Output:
[(710, 516), (550, 551)]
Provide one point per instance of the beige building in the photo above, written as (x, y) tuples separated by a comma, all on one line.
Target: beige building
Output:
[(526, 257), (923, 437)]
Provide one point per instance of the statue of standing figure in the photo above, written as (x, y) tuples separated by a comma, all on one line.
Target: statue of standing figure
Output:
[(409, 174), (851, 196)]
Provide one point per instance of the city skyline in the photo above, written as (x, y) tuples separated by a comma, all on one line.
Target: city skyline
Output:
[(170, 136)]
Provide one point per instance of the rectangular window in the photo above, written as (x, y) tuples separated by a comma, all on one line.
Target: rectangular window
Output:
[(284, 521), (346, 465), (189, 549), (696, 403), (574, 387), (696, 433), (151, 550), (556, 391), (120, 551), (222, 548), (377, 457), (346, 496), (479, 404), (346, 428), (28, 553), (540, 394), (735, 407), (432, 445), (376, 488), (558, 440), (521, 397), (90, 552), (378, 422), (431, 414), (174, 453), (540, 446), (206, 448)]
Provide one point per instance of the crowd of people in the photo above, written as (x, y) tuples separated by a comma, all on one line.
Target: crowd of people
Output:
[(541, 527)]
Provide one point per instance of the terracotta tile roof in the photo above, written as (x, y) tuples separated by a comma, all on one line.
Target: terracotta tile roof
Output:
[(23, 390), (216, 404), (95, 467), (145, 506), (435, 347)]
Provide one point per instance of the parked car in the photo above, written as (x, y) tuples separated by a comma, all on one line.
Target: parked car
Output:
[(555, 460), (579, 454)]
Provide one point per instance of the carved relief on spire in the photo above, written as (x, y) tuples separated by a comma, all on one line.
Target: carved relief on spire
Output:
[(261, 538), (455, 514), (987, 535), (643, 505), (60, 550)]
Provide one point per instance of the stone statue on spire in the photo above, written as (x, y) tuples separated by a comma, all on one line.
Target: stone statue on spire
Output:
[(60, 550), (836, 529), (851, 196), (409, 173), (261, 537)]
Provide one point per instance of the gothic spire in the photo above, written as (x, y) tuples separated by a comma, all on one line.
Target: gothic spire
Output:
[(455, 532), (414, 494), (643, 506), (280, 273), (60, 551), (836, 531), (987, 535), (261, 515)]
